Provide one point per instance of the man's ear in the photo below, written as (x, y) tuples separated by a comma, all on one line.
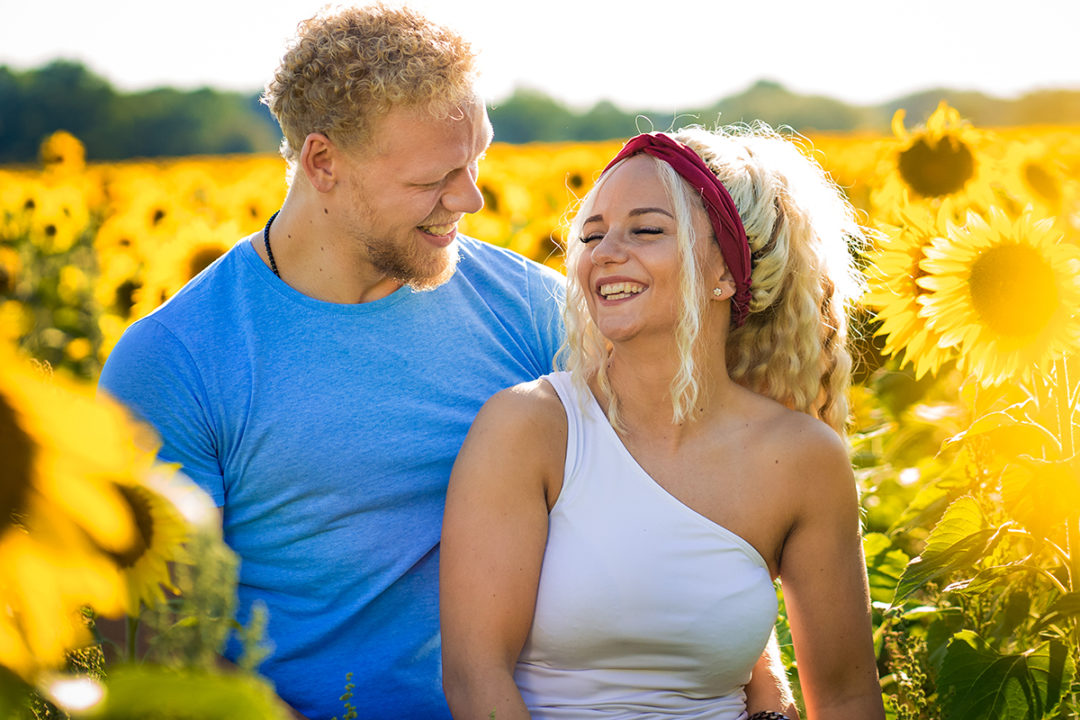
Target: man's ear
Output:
[(320, 161)]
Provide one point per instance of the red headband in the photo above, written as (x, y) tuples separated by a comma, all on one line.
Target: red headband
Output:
[(723, 215)]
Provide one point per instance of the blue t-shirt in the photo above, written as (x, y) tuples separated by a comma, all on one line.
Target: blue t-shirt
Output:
[(327, 433)]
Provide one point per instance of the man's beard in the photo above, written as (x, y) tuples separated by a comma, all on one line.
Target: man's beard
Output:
[(412, 266)]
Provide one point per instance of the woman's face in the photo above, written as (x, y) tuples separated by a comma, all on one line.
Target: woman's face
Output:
[(629, 270)]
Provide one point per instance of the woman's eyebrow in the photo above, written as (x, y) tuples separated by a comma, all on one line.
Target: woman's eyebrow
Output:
[(632, 213)]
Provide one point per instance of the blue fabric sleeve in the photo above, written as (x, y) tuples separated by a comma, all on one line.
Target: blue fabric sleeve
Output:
[(547, 298), (152, 373)]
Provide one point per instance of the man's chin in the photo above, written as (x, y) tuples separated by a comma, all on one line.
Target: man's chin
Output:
[(432, 277)]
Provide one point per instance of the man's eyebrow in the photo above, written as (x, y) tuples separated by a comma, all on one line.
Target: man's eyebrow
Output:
[(633, 213)]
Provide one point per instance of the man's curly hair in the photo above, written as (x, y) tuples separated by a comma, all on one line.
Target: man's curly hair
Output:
[(348, 66)]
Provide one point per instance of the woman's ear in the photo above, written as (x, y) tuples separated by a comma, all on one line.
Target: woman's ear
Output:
[(723, 288), (320, 161)]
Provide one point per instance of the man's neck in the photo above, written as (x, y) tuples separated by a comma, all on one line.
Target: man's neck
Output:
[(314, 257)]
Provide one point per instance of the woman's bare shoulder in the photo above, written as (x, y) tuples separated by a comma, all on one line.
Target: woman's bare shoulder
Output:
[(525, 418), (528, 403), (810, 450), (519, 433)]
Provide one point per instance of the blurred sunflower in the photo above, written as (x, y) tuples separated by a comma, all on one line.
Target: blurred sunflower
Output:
[(1005, 293), (62, 152), (541, 241), (72, 448), (947, 158), (894, 292), (248, 189), (488, 227), (161, 533), (111, 326), (16, 321), (121, 244), (1034, 175), (59, 510), (59, 217), (20, 194), (181, 258), (10, 265)]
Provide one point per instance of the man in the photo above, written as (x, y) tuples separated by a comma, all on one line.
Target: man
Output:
[(319, 379)]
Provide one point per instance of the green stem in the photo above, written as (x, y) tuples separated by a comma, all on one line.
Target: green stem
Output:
[(131, 636), (1066, 410), (1066, 432)]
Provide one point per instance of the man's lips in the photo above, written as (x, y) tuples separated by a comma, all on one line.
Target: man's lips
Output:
[(441, 235)]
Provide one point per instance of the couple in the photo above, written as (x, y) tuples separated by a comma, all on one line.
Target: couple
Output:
[(612, 532)]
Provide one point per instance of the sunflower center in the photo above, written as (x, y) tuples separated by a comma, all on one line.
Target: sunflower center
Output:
[(124, 298), (18, 452), (491, 198), (1013, 290), (201, 259), (936, 170), (144, 524), (1042, 182)]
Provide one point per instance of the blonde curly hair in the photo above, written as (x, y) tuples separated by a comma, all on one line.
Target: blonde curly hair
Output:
[(803, 237), (348, 66)]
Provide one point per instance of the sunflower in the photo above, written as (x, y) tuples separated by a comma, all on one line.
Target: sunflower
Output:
[(48, 574), (16, 321), (541, 241), (121, 245), (20, 194), (187, 253), (1005, 293), (1035, 175), (60, 513), (65, 448), (894, 291), (248, 189), (162, 531), (10, 270), (59, 217), (947, 158), (62, 152)]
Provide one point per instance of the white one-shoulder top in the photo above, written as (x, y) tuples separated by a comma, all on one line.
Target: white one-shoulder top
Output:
[(646, 608)]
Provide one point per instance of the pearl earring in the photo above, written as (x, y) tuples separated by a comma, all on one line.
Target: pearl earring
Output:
[(718, 292)]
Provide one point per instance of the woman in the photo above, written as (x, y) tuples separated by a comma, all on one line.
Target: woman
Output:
[(612, 532)]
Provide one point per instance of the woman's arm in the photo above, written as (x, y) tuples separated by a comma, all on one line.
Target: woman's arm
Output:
[(823, 573), (768, 689), (494, 533)]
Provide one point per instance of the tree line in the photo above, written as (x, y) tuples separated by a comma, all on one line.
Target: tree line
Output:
[(113, 125)]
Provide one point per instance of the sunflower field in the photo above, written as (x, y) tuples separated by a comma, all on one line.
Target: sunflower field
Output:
[(964, 427)]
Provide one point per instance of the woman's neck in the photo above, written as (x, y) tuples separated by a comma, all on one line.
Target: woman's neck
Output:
[(640, 376)]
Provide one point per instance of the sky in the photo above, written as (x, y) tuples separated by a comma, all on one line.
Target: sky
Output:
[(665, 56)]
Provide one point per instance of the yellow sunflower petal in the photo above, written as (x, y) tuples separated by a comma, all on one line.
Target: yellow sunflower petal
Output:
[(1005, 292)]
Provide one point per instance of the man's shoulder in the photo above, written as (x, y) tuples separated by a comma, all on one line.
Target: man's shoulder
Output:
[(486, 257), (501, 272)]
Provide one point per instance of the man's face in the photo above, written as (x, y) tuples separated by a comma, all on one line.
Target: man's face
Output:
[(411, 185)]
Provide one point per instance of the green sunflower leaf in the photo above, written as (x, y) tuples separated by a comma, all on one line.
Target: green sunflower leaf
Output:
[(885, 565), (153, 692), (978, 683), (960, 538), (1065, 607), (1008, 438)]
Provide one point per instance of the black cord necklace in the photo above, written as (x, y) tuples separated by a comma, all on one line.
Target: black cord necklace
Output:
[(266, 241)]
